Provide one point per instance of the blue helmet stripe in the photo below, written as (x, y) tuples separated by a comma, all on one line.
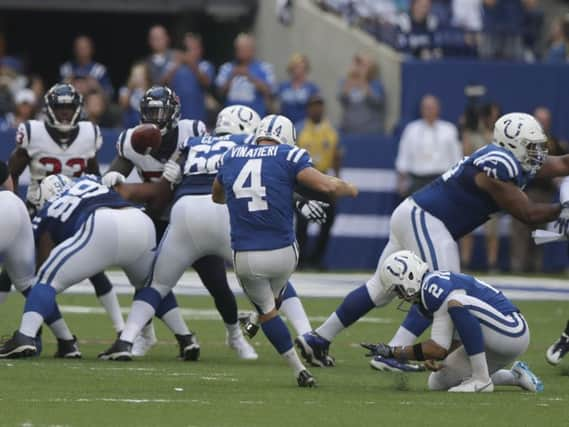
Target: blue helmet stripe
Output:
[(272, 123)]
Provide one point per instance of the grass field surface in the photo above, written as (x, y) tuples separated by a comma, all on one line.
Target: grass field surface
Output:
[(220, 390)]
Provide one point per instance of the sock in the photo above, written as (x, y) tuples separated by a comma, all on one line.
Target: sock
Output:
[(211, 270), (470, 332), (233, 331), (504, 377), (173, 319), (294, 361), (146, 300), (31, 323), (60, 330), (277, 333), (292, 308), (111, 304), (356, 305)]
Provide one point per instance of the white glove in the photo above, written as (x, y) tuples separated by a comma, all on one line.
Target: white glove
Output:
[(313, 210), (562, 223), (172, 172), (113, 178)]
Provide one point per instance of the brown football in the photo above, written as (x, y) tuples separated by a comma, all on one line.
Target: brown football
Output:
[(145, 138)]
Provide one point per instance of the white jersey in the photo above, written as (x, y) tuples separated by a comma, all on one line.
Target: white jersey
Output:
[(49, 157), (150, 168)]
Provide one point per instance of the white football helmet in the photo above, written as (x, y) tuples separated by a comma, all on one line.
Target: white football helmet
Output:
[(52, 187), (277, 128), (236, 120), (402, 272), (523, 136)]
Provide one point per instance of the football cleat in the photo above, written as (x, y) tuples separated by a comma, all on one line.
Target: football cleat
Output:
[(144, 341), (249, 324), (471, 385), (526, 378), (189, 347), (18, 346), (385, 364), (557, 350), (314, 349), (305, 379), (244, 350), (68, 349), (120, 351)]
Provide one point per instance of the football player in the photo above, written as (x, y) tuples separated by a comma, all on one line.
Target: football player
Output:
[(63, 144), (432, 220), (83, 227), (491, 331), (258, 182), (160, 106)]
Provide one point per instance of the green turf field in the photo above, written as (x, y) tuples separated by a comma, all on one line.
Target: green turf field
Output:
[(222, 391)]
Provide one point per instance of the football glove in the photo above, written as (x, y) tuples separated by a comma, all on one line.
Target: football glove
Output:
[(379, 349), (313, 210), (172, 172), (562, 223), (112, 178)]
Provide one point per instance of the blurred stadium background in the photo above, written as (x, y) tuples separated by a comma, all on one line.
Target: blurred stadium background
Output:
[(369, 58)]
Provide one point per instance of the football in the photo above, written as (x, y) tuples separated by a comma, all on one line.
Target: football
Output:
[(145, 138)]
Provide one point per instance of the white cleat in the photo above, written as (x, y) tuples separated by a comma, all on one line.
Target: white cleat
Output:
[(144, 341), (526, 378), (473, 386), (244, 350), (557, 350)]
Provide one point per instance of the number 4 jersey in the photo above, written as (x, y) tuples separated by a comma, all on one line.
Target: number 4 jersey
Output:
[(49, 157), (259, 182), (64, 216), (458, 202)]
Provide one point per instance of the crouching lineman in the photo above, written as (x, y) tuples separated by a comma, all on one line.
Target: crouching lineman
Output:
[(476, 330), (257, 182), (82, 228), (432, 220)]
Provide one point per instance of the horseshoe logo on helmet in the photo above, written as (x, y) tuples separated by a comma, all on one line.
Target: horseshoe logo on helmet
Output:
[(244, 115), (517, 132)]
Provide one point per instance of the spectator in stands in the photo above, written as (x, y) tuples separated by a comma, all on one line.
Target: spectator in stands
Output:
[(97, 111), (317, 135), (26, 106), (428, 147), (416, 30), (191, 77), (246, 80), (362, 98), (525, 256), (558, 51), (477, 131), (502, 30), (161, 59), (83, 66), (131, 94), (467, 14), (294, 93), (11, 70), (532, 29)]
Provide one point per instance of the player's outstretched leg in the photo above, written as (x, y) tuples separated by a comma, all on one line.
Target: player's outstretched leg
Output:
[(108, 298), (559, 348), (211, 270), (291, 306), (519, 375)]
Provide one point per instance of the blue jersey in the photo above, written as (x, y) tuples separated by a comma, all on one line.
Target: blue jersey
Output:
[(438, 285), (259, 183), (203, 154), (190, 91), (64, 216), (294, 101), (458, 202)]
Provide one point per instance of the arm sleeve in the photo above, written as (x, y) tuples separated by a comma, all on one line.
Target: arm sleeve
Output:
[(23, 135), (498, 164), (298, 159), (98, 137)]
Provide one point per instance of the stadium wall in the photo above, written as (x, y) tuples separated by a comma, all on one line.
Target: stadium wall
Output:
[(330, 45)]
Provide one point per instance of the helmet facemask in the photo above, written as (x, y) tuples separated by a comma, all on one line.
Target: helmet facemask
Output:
[(536, 154), (63, 111), (155, 112)]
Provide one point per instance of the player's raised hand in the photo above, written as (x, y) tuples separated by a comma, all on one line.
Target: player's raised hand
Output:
[(313, 210), (112, 178), (379, 349), (172, 172)]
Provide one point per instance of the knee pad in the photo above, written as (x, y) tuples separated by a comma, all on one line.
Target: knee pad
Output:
[(436, 382)]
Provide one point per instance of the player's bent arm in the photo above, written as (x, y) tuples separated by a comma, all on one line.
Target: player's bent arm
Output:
[(514, 201), (554, 166), (330, 185), (217, 192), (121, 165), (145, 193), (426, 350), (18, 162), (44, 247), (93, 167)]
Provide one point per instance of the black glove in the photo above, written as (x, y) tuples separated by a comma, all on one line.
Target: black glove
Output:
[(379, 349)]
